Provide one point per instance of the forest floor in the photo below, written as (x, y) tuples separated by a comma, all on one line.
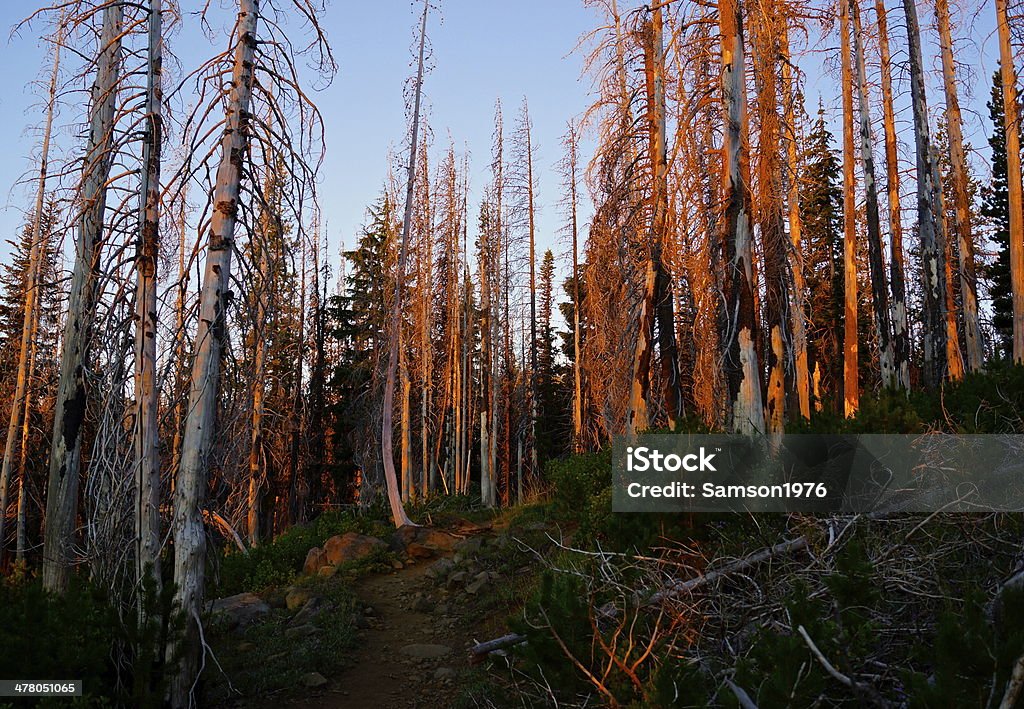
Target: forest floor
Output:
[(414, 625)]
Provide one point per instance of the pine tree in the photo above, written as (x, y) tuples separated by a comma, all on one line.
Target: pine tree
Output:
[(821, 211), (996, 209)]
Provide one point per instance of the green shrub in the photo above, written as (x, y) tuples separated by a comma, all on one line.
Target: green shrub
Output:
[(277, 562)]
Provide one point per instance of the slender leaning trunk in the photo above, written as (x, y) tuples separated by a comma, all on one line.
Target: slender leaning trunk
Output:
[(851, 385), (398, 515), (743, 373), (928, 217), (72, 392), (197, 440), (147, 424), (876, 264), (962, 221), (1011, 122), (20, 406), (897, 281)]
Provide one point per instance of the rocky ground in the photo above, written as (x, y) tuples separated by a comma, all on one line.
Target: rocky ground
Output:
[(435, 594)]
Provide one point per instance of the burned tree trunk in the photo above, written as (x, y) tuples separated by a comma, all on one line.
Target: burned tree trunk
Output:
[(851, 384), (72, 393)]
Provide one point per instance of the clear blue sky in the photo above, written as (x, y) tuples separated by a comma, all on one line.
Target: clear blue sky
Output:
[(482, 50)]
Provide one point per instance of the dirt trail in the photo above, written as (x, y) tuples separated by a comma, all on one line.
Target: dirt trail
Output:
[(398, 660)]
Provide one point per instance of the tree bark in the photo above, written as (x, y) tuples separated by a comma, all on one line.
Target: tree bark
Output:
[(1011, 121), (197, 440), (851, 385), (743, 373), (72, 392), (398, 514), (876, 264), (928, 216), (897, 280), (962, 222), (147, 398)]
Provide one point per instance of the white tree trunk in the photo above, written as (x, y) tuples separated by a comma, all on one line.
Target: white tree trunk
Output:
[(197, 440), (147, 433), (70, 408)]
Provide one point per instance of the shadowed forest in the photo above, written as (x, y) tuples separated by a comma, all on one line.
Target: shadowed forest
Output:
[(242, 469)]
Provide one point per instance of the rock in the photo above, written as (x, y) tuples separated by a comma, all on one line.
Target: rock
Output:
[(444, 673), (478, 582), (432, 539), (419, 551), (240, 609), (422, 604), (440, 569), (457, 578), (397, 565), (297, 597), (314, 560), (313, 680), (310, 610), (351, 547), (469, 545), (301, 631), (360, 621), (326, 572), (425, 651)]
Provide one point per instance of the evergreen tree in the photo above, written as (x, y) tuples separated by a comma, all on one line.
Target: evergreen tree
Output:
[(996, 209), (357, 324), (821, 209), (552, 403)]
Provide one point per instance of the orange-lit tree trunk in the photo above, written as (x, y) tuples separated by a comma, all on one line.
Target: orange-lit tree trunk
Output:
[(743, 373), (897, 280), (876, 264), (958, 164), (1011, 121), (851, 385)]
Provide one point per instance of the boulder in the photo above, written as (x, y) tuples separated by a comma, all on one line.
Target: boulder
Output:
[(415, 550), (314, 560), (478, 582), (425, 651), (240, 609), (310, 610), (433, 539), (326, 572), (297, 597), (440, 569), (313, 680), (422, 604), (469, 545), (457, 578), (350, 547), (300, 631)]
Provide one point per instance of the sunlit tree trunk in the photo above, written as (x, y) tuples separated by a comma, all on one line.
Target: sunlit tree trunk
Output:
[(531, 222), (259, 375), (958, 165), (1011, 121), (928, 216), (147, 423), (572, 160), (901, 333), (72, 393), (799, 309), (398, 514), (742, 370), (851, 385), (197, 439), (876, 264)]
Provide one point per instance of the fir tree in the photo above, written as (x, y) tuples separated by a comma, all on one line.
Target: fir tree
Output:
[(996, 209)]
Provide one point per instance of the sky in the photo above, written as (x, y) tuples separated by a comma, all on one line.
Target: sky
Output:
[(482, 50)]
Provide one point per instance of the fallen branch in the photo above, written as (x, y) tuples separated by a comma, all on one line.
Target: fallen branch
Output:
[(839, 676), (741, 695), (219, 521)]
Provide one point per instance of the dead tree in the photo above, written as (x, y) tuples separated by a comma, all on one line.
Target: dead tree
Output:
[(20, 403), (1011, 122), (743, 373), (72, 390), (876, 265), (147, 425), (398, 514), (928, 215), (851, 385), (897, 280)]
